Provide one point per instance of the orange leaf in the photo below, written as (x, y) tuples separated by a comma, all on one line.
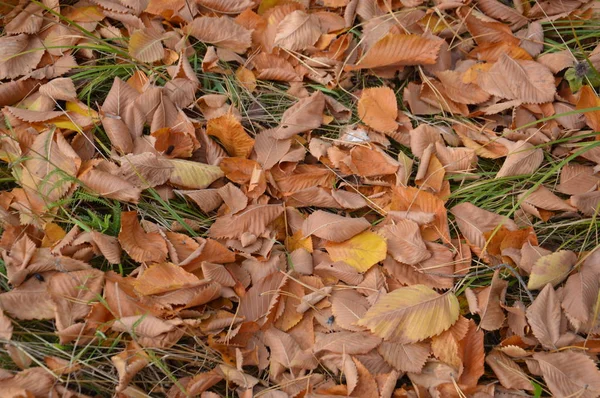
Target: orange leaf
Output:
[(231, 134), (589, 99)]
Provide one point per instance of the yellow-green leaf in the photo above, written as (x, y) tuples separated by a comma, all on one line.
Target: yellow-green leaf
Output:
[(411, 314), (193, 175), (553, 268), (361, 252)]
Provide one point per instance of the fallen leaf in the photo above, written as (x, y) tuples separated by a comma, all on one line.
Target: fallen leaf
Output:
[(377, 107), (552, 268), (362, 251), (410, 314), (332, 227), (140, 245)]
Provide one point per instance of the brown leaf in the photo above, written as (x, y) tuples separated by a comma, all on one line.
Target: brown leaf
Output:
[(298, 31), (507, 371), (473, 222), (145, 45), (19, 55), (527, 81), (577, 179), (413, 200), (346, 342), (270, 150), (332, 227), (34, 382), (405, 357), (108, 185), (128, 363), (304, 115), (258, 303), (399, 49), (544, 317), (220, 31), (226, 6), (569, 373), (404, 242), (254, 219), (141, 246), (377, 107)]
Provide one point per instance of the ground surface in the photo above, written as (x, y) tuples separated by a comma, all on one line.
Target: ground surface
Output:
[(299, 198)]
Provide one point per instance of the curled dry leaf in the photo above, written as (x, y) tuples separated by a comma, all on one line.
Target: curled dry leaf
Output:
[(410, 314), (128, 363), (140, 245)]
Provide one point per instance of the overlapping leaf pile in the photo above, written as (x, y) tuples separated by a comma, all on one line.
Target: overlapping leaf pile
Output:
[(333, 265)]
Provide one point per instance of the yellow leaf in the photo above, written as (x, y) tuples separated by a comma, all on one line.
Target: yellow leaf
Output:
[(552, 268), (193, 175), (52, 234), (411, 314), (298, 241), (361, 252)]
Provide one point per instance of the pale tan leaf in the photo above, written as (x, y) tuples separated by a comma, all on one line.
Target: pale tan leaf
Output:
[(405, 357), (332, 227), (587, 203), (543, 199), (111, 186), (30, 300), (473, 222), (527, 81), (557, 61), (128, 363), (61, 366), (6, 327), (404, 242), (348, 306), (507, 371), (193, 175), (411, 314), (498, 10), (552, 269), (59, 89), (346, 342), (145, 45), (19, 55), (108, 246), (34, 382), (377, 107), (258, 303), (399, 49), (73, 293), (29, 20), (141, 246), (220, 31), (544, 317), (226, 6), (149, 330), (577, 179), (297, 31), (304, 115), (523, 158), (581, 290), (270, 150), (490, 302), (569, 373), (145, 170), (254, 219), (464, 93)]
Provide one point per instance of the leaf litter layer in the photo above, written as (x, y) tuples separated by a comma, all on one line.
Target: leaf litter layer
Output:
[(299, 198)]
